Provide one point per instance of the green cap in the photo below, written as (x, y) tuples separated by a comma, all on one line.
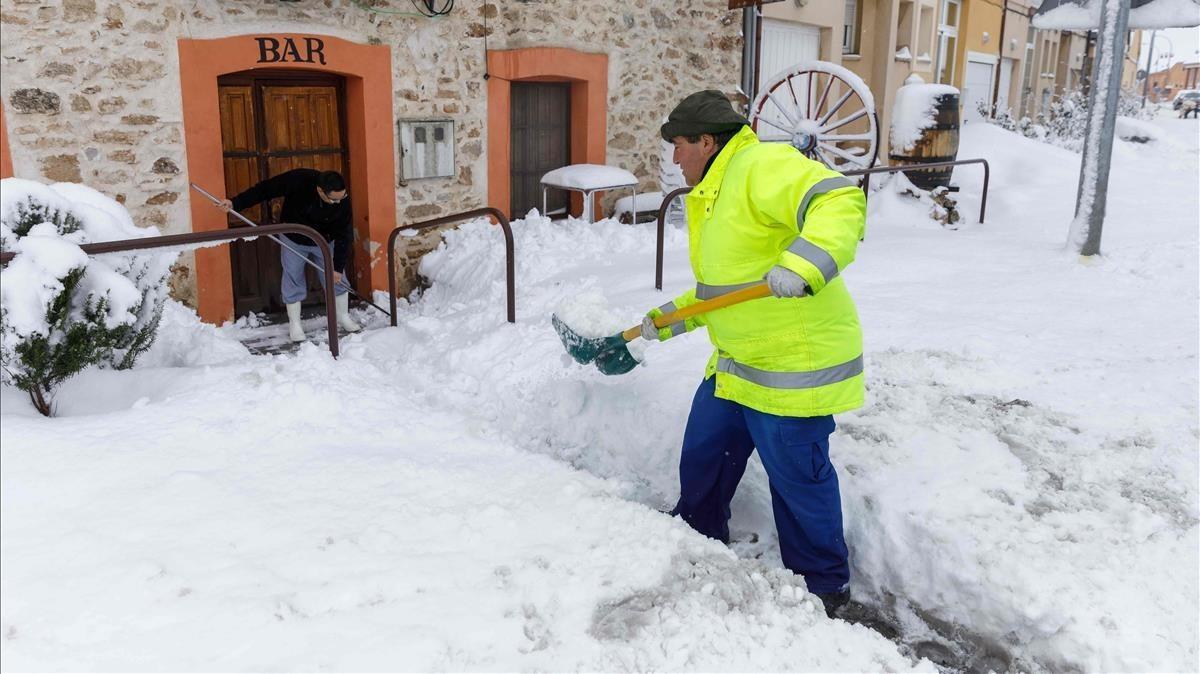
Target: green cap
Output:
[(706, 111)]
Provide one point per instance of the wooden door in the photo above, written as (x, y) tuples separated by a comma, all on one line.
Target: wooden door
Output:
[(540, 136), (270, 126)]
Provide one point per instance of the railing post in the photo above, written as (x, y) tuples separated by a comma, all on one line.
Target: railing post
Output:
[(987, 174), (662, 224), (391, 272), (330, 302), (510, 264)]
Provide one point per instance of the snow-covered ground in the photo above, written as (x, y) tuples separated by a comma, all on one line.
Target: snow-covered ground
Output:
[(456, 494)]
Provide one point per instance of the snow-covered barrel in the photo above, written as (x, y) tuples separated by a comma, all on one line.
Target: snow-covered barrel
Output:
[(925, 126)]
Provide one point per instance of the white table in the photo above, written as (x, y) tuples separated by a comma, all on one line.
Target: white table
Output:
[(588, 179)]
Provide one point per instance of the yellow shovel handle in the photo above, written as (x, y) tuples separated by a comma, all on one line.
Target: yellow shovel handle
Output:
[(754, 292)]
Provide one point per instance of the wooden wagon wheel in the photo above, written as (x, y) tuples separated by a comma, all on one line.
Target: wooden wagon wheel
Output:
[(823, 110)]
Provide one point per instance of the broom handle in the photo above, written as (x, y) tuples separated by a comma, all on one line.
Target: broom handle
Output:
[(754, 292)]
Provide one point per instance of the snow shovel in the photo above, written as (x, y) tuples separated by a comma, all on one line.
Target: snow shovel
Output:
[(612, 356)]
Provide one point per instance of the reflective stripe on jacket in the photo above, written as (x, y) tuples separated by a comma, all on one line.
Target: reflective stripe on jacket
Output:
[(761, 205)]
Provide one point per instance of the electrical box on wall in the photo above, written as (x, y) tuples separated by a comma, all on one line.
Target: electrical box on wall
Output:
[(427, 148)]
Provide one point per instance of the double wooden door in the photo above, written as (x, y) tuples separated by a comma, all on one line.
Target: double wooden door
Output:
[(540, 137), (270, 125)]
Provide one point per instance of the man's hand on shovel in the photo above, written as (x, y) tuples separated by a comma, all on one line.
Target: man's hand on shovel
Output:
[(611, 354)]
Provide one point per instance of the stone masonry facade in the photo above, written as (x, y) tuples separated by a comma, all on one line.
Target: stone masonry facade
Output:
[(91, 88)]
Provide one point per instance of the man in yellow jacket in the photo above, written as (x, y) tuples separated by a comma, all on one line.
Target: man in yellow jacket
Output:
[(783, 365)]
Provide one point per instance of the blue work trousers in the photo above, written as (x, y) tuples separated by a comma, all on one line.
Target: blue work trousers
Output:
[(719, 439), (294, 285)]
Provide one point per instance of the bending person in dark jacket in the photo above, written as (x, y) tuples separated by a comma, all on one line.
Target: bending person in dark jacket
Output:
[(317, 199)]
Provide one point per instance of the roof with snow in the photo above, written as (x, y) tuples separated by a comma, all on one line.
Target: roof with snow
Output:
[(1085, 14)]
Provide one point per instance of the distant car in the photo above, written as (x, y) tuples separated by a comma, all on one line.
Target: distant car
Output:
[(1186, 95)]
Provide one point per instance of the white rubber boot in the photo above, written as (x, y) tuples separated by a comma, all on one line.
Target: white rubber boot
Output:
[(342, 302), (295, 330)]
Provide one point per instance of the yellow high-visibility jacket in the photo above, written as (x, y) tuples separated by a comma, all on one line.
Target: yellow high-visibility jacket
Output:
[(761, 205)]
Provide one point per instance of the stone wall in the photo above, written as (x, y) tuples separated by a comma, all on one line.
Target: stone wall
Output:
[(91, 87)]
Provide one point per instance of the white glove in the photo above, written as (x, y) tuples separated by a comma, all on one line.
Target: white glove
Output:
[(784, 282), (649, 332)]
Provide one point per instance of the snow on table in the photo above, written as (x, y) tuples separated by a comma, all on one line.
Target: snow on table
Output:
[(588, 179), (642, 203)]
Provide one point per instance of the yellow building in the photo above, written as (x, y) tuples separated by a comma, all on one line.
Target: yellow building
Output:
[(957, 42), (986, 48)]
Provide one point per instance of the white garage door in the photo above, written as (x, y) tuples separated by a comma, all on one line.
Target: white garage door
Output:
[(784, 44), (976, 89)]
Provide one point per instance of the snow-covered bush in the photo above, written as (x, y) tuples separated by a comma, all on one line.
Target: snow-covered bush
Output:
[(1064, 121), (61, 310)]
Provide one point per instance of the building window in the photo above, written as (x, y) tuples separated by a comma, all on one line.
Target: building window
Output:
[(925, 37), (852, 27), (904, 31), (948, 41)]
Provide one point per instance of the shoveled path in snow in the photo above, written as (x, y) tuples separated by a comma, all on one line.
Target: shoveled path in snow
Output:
[(1026, 468)]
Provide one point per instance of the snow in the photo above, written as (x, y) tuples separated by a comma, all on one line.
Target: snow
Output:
[(914, 111), (1086, 15), (649, 201), (589, 177), (455, 493), (1136, 130), (31, 281), (130, 285)]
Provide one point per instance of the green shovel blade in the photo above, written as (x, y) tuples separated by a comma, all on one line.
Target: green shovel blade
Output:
[(583, 349), (610, 354), (616, 360)]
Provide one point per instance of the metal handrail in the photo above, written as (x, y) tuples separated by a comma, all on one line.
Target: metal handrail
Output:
[(987, 174), (662, 220), (509, 254), (866, 173), (224, 235)]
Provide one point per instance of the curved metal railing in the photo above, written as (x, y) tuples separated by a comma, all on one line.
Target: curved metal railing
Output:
[(509, 254)]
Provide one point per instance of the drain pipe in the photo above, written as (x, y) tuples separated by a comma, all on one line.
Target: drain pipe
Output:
[(750, 35)]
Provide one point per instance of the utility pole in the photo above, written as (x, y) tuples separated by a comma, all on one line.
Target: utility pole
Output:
[(999, 60), (1149, 62), (1105, 89)]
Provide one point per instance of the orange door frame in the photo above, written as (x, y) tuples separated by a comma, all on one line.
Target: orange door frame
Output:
[(588, 75), (370, 138)]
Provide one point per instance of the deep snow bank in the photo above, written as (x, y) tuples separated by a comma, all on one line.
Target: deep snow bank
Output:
[(213, 510)]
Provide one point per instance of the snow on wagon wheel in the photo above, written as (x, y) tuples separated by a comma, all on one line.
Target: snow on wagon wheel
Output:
[(823, 110)]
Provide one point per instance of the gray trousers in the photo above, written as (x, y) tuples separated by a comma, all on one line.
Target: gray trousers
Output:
[(294, 286)]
